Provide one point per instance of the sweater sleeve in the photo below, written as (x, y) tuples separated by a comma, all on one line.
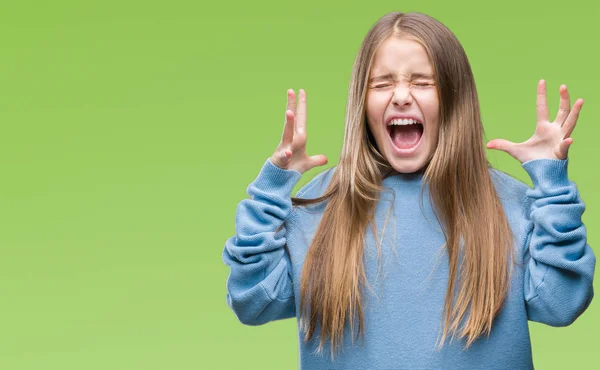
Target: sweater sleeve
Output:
[(259, 286), (559, 262)]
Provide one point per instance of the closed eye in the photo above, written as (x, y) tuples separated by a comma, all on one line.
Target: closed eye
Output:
[(420, 84)]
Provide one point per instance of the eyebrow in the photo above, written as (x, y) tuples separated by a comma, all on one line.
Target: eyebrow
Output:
[(390, 76)]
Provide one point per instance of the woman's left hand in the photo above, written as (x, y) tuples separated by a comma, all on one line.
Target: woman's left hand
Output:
[(551, 139)]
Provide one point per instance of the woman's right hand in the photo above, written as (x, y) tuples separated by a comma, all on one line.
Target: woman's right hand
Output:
[(291, 151)]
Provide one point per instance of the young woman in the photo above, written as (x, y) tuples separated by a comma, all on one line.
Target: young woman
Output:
[(412, 252)]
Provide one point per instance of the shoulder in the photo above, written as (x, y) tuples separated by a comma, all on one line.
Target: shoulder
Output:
[(303, 220), (512, 194), (316, 187), (508, 187)]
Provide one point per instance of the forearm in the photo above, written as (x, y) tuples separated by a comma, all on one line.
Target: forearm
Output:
[(259, 284), (560, 267)]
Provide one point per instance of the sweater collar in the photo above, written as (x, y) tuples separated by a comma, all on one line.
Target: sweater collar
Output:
[(396, 178)]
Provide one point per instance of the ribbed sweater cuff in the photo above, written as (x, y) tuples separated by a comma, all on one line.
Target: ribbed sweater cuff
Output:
[(547, 173), (273, 179)]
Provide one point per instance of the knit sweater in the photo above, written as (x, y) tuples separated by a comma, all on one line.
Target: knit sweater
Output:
[(551, 282)]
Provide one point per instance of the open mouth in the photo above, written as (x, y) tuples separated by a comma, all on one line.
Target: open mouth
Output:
[(405, 136)]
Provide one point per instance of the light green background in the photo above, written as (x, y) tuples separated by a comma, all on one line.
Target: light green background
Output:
[(131, 129)]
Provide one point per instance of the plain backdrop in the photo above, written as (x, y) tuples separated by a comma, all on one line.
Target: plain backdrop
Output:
[(131, 129)]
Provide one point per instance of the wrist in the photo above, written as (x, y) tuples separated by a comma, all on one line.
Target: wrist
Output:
[(547, 172)]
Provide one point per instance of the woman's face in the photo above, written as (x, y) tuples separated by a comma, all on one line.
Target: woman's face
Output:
[(402, 86)]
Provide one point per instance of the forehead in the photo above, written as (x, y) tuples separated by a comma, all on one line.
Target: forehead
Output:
[(401, 55)]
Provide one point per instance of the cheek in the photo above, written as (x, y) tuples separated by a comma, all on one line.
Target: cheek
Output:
[(375, 129), (428, 103), (374, 112), (376, 103), (434, 135)]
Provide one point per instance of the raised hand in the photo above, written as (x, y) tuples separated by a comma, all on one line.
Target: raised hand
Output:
[(291, 151), (551, 139)]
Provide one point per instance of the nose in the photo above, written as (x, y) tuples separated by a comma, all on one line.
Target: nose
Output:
[(402, 95)]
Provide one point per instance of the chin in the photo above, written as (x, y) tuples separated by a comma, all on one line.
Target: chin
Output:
[(402, 165)]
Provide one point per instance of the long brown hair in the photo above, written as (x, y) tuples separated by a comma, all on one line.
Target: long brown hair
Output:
[(461, 191)]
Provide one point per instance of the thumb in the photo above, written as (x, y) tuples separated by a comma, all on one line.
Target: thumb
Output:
[(564, 147), (318, 160), (281, 157), (501, 144)]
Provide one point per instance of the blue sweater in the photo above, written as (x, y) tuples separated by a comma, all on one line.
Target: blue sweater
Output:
[(551, 284)]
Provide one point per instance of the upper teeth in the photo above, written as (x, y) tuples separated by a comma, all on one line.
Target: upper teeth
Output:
[(403, 122)]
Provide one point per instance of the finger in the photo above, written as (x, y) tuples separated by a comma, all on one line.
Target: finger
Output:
[(564, 147), (509, 147), (500, 144), (318, 160), (569, 124), (288, 129), (283, 156), (542, 103), (301, 113), (564, 106), (291, 100)]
